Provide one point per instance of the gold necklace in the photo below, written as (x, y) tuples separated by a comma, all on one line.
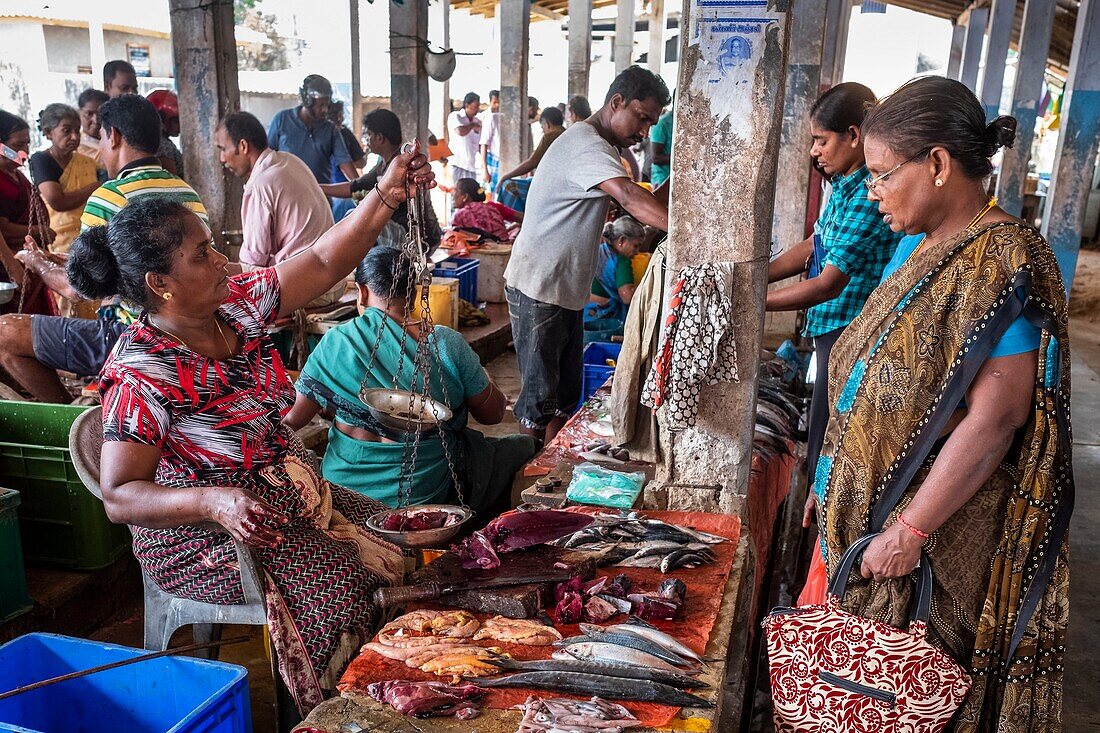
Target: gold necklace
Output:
[(973, 222), (217, 325)]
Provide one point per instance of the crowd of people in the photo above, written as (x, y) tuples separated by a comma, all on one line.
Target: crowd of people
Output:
[(939, 323)]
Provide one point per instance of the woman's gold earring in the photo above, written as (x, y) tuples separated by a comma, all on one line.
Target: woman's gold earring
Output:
[(939, 182), (167, 296)]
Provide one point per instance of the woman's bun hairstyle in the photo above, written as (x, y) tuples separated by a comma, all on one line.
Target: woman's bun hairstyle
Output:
[(474, 190), (1000, 133), (114, 259), (92, 267), (933, 111)]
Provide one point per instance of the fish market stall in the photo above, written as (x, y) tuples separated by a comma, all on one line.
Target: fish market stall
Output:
[(667, 668)]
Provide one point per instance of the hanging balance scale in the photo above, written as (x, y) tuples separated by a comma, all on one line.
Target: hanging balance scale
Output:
[(411, 414)]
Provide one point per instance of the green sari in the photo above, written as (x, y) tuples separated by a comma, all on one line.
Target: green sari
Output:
[(900, 370)]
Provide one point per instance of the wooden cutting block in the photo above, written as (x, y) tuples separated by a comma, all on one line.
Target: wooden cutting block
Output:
[(516, 601)]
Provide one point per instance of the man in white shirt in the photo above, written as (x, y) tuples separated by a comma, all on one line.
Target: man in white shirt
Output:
[(490, 141), (283, 211), (465, 129)]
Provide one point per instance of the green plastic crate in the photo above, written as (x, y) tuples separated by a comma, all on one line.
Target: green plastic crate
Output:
[(13, 581), (61, 523)]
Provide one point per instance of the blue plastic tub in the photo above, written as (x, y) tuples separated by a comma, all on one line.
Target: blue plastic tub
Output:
[(596, 371), (602, 330), (465, 270), (165, 695)]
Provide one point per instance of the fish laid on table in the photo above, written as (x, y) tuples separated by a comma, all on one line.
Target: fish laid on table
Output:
[(428, 699), (574, 716), (616, 688), (640, 628), (518, 631), (596, 634), (633, 541), (403, 653), (600, 651), (426, 627), (672, 679), (470, 661)]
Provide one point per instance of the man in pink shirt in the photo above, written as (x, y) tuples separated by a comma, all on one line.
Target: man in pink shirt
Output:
[(284, 210)]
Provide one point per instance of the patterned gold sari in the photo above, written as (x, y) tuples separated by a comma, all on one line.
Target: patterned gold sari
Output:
[(899, 371)]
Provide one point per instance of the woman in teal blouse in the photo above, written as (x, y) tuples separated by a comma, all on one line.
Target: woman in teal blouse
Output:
[(361, 454)]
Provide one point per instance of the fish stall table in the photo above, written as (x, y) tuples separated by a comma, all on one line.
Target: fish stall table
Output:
[(356, 711)]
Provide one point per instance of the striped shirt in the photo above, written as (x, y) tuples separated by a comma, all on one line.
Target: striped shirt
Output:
[(143, 177)]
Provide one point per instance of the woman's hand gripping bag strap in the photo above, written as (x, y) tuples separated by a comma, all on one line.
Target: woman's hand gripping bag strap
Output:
[(833, 670)]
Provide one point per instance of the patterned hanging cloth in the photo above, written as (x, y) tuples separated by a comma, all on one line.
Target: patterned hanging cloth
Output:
[(697, 346)]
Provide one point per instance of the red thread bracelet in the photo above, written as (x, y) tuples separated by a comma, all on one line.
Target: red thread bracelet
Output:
[(911, 528)]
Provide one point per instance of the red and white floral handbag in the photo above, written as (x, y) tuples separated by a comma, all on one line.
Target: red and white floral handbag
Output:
[(834, 671)]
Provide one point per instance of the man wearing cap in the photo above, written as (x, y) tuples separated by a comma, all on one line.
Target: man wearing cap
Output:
[(168, 107), (307, 132), (465, 129)]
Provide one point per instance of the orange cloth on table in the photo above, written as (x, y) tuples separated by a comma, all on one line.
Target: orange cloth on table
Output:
[(817, 580), (705, 585)]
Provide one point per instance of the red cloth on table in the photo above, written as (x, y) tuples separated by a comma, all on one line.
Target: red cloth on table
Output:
[(705, 588)]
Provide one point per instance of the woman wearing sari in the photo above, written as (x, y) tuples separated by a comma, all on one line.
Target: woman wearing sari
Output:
[(364, 455), (949, 424), (64, 177)]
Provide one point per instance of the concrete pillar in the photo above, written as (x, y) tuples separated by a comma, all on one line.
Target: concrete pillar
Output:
[(955, 55), (580, 46), (972, 49), (624, 35), (515, 137), (996, 55), (657, 23), (205, 57), (838, 16), (1031, 65), (1078, 140), (408, 77), (727, 136), (98, 48), (356, 107), (800, 92)]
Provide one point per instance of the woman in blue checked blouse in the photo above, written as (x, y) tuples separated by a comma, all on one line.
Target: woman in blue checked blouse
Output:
[(848, 250)]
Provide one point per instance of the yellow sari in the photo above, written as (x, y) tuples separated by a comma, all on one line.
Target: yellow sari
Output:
[(79, 173)]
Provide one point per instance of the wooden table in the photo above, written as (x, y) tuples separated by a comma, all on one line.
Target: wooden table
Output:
[(359, 712)]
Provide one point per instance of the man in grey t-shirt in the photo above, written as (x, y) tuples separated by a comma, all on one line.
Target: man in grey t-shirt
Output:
[(554, 258)]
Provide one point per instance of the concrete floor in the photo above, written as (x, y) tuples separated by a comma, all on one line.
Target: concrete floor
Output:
[(1081, 704)]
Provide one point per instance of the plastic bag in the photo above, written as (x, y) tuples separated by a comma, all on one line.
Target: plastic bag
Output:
[(594, 484), (817, 580)]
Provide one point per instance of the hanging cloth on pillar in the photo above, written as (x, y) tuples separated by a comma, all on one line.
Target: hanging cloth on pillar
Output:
[(635, 424), (697, 345)]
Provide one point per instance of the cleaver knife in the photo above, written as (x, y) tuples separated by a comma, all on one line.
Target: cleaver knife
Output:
[(402, 595)]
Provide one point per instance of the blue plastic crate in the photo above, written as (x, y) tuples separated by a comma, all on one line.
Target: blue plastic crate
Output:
[(166, 695), (465, 269), (596, 371)]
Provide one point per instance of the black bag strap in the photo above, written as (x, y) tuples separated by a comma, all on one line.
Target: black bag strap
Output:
[(920, 608)]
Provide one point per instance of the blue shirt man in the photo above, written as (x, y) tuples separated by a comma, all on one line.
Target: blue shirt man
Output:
[(306, 132)]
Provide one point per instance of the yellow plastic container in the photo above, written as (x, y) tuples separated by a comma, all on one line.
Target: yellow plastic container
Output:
[(639, 264), (442, 300)]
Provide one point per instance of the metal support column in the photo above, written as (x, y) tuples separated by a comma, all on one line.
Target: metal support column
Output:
[(972, 49), (205, 57), (580, 46), (515, 136), (838, 16), (996, 55), (1031, 65), (955, 55), (624, 35), (1078, 142), (356, 107), (408, 77), (657, 22)]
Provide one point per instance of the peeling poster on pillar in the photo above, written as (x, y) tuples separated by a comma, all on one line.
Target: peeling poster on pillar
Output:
[(732, 37)]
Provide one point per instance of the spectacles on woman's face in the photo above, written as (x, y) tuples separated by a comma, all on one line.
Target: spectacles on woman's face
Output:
[(871, 183)]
